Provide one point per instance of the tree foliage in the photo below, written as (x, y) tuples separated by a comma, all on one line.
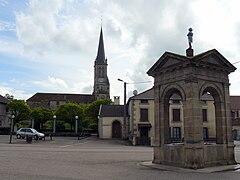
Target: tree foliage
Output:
[(41, 116), (20, 110), (92, 109), (68, 112)]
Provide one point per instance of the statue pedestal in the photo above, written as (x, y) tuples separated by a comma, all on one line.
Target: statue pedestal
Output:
[(189, 52)]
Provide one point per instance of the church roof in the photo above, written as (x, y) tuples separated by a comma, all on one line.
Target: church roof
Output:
[(100, 59), (111, 110), (75, 98)]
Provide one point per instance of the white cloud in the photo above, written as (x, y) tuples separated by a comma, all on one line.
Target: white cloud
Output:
[(7, 26), (60, 37), (18, 94), (52, 83)]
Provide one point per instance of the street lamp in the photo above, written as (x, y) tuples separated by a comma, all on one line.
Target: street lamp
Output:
[(76, 124), (54, 124), (124, 106), (11, 129)]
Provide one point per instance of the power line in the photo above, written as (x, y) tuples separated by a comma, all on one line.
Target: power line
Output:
[(236, 62), (141, 82)]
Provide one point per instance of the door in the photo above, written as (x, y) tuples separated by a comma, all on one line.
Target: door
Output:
[(116, 129), (144, 138)]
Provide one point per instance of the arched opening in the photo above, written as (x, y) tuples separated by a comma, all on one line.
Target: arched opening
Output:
[(215, 123), (176, 122), (116, 130), (173, 116), (208, 118)]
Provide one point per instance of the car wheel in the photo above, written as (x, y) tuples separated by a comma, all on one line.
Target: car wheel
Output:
[(18, 136)]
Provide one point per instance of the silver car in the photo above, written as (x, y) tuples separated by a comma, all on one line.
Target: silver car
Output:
[(23, 132)]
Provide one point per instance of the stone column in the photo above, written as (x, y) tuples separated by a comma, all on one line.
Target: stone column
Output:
[(157, 156), (193, 127), (228, 124)]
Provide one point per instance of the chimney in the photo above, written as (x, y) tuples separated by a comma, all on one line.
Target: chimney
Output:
[(116, 100)]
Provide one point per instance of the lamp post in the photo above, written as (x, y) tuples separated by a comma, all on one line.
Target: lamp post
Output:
[(124, 106), (54, 124), (11, 129), (76, 124)]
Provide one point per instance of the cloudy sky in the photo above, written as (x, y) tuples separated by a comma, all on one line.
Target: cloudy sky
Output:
[(51, 45)]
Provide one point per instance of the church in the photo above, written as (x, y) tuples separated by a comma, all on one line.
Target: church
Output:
[(101, 88)]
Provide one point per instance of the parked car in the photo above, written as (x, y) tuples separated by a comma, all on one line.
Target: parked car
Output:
[(23, 132)]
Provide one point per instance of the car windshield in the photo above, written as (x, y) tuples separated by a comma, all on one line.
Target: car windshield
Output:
[(34, 130)]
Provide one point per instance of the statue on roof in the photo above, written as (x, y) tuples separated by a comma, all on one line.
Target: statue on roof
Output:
[(190, 37)]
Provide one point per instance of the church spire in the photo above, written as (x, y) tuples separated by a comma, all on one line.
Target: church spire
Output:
[(100, 59)]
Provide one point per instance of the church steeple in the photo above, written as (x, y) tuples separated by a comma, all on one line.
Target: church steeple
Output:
[(101, 88), (100, 59)]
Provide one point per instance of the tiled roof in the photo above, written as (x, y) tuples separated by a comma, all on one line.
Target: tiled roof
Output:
[(148, 94), (235, 102), (77, 98), (111, 111), (3, 100)]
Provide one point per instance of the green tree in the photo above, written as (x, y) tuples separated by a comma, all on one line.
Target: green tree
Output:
[(92, 110), (20, 110), (41, 116), (67, 112)]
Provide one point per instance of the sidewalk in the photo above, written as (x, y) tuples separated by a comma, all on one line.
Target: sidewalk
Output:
[(179, 169)]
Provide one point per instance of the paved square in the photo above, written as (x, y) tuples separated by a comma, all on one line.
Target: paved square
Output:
[(90, 158)]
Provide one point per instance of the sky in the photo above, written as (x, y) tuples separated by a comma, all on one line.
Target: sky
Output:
[(51, 45)]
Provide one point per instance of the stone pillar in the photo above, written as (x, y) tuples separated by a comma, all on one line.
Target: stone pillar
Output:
[(157, 141), (157, 134), (193, 127), (228, 122)]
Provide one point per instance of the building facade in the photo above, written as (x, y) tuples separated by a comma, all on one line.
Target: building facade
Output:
[(110, 121), (235, 112), (141, 118), (4, 116)]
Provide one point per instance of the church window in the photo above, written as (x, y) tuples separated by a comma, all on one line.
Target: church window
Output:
[(176, 114), (176, 134)]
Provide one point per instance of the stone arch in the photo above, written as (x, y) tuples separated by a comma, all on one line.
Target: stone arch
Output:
[(213, 89), (116, 129), (219, 108), (165, 97), (173, 88)]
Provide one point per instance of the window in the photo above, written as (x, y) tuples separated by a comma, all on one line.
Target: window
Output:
[(176, 133), (0, 122), (176, 115), (7, 110), (143, 115), (237, 114), (205, 133), (176, 101), (144, 101), (204, 114)]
